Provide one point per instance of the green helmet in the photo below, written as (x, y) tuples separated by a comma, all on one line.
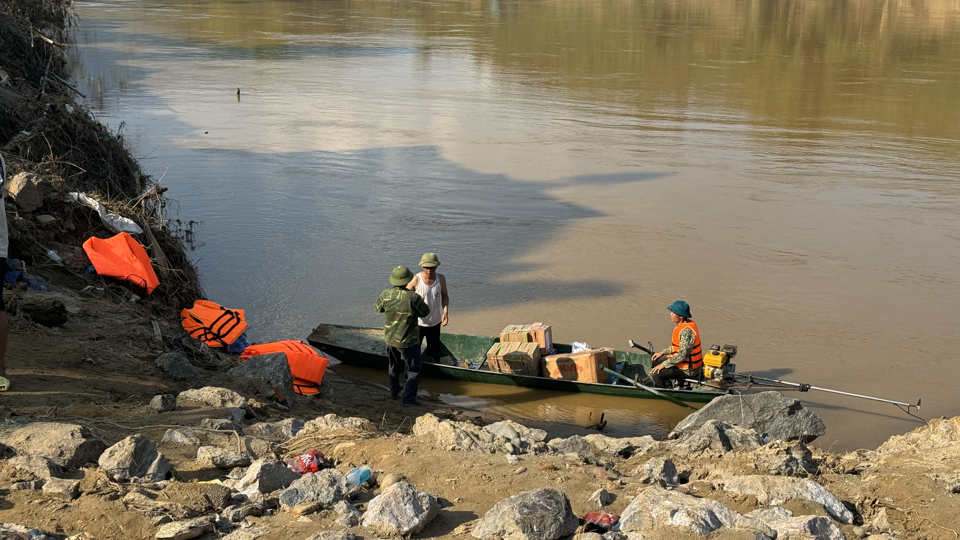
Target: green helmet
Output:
[(401, 276), (680, 308), (429, 260)]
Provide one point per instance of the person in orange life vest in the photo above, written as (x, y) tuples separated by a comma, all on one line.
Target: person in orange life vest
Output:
[(684, 358), (432, 287)]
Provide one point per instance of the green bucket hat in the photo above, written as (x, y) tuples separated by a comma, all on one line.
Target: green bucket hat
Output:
[(401, 276), (680, 308), (429, 260)]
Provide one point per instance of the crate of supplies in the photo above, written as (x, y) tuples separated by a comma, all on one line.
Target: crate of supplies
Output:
[(586, 366), (520, 358)]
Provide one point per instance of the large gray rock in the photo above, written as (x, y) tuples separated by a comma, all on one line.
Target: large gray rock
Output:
[(40, 468), (185, 530), (19, 532), (177, 367), (400, 510), (273, 369), (347, 514), (541, 514), (776, 490), (212, 397), (624, 447), (25, 189), (277, 432), (807, 528), (220, 458), (163, 403), (574, 445), (67, 445), (185, 436), (135, 458), (659, 471), (770, 414), (501, 437), (717, 438), (62, 488), (656, 507), (325, 487), (266, 476)]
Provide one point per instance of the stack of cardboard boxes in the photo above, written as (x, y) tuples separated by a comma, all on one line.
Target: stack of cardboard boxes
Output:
[(521, 348)]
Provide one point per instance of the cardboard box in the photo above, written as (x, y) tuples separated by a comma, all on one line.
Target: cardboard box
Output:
[(514, 357), (538, 332), (583, 366)]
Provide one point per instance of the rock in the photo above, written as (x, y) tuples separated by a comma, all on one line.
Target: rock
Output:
[(164, 403), (253, 533), (325, 487), (510, 430), (237, 414), (221, 424), (770, 414), (520, 470), (602, 497), (184, 530), (266, 476), (623, 447), (212, 456), (330, 426), (177, 367), (541, 514), (807, 528), (135, 458), (277, 432), (400, 510), (13, 531), (237, 513), (146, 503), (40, 468), (45, 220), (388, 480), (575, 445), (513, 459), (67, 445), (786, 459), (939, 433), (347, 514), (716, 438), (183, 436), (303, 509), (212, 397), (655, 507), (500, 437), (62, 488), (25, 189), (775, 490), (273, 369), (659, 471)]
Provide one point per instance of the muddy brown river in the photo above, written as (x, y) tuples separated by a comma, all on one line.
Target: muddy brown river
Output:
[(789, 168)]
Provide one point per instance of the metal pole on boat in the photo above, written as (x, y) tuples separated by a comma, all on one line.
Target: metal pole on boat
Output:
[(805, 387), (653, 391)]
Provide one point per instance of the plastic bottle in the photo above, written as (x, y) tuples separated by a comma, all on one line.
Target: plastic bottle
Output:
[(53, 256), (358, 476), (305, 463)]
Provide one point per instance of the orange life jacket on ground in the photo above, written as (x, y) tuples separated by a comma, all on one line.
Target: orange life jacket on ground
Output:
[(306, 364), (695, 359), (212, 323), (122, 257)]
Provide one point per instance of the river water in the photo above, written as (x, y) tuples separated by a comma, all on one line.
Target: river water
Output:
[(789, 168)]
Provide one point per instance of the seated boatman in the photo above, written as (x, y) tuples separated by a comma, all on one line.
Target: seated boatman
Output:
[(684, 358)]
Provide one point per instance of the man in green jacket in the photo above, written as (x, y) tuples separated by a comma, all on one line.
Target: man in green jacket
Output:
[(401, 308)]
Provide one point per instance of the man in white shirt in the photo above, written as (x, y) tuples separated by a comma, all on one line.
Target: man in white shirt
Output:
[(432, 287)]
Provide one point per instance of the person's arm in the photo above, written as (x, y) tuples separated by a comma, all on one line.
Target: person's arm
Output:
[(412, 286), (444, 300), (379, 305)]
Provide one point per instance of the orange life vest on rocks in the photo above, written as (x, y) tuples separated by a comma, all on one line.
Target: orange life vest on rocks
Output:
[(306, 364), (695, 359), (122, 257), (212, 323)]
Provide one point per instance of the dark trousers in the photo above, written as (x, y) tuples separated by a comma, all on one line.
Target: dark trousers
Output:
[(405, 359), (662, 378), (432, 335)]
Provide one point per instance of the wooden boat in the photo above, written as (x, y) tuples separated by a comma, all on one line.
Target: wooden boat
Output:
[(364, 347)]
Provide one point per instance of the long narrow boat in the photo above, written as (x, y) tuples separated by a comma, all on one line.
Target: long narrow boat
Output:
[(364, 347)]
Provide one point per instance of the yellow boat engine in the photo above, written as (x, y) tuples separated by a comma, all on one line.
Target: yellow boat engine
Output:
[(716, 363)]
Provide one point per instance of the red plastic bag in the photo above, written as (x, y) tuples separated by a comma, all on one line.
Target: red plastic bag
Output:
[(312, 461), (595, 521)]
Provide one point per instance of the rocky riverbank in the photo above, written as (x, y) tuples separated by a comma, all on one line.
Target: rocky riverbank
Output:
[(209, 463)]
